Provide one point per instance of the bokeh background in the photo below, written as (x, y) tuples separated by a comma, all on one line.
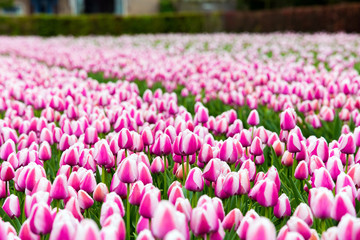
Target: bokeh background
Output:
[(115, 17)]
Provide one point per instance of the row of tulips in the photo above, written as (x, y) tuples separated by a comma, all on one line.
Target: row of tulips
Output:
[(83, 160), (313, 74)]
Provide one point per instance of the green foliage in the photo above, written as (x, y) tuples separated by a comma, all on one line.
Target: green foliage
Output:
[(106, 24), (6, 3), (166, 6)]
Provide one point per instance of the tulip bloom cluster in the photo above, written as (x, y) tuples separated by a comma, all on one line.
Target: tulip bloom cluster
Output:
[(86, 158)]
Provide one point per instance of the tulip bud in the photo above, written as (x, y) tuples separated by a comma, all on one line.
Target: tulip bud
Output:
[(282, 208), (91, 136), (256, 147), (127, 170), (85, 200), (59, 189), (261, 228), (87, 230), (230, 151), (253, 118), (321, 202), (322, 178), (100, 192), (45, 151), (295, 224), (7, 172), (347, 144), (12, 206), (41, 213), (194, 181), (166, 219), (232, 219), (125, 140), (288, 119), (149, 203), (342, 205), (303, 212)]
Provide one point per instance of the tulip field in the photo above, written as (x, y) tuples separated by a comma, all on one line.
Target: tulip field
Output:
[(179, 137)]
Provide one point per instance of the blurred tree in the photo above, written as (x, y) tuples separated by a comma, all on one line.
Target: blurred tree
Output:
[(166, 6), (6, 3)]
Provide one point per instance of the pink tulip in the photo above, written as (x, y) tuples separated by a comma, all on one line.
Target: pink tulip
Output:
[(279, 147), (113, 197), (100, 192), (88, 230), (162, 145), (261, 228), (282, 208), (12, 206), (232, 219), (253, 118), (7, 172), (347, 144), (6, 149), (26, 233), (166, 219), (230, 151), (205, 153), (245, 138), (321, 202), (59, 188), (256, 147), (91, 136), (303, 212), (127, 170), (322, 178), (288, 119), (103, 155), (245, 223), (265, 192), (136, 193), (88, 182), (149, 203), (45, 151), (85, 200), (41, 219), (194, 181), (138, 144), (145, 235), (64, 227), (250, 167), (147, 136), (295, 224), (287, 159), (244, 182), (342, 205), (293, 143), (183, 205), (125, 140), (72, 205), (348, 228), (212, 170), (334, 166)]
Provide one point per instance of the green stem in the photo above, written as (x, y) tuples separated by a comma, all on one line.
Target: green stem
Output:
[(347, 163), (183, 170), (128, 213), (148, 153), (293, 166), (165, 183), (126, 154), (103, 174), (323, 228), (57, 205), (187, 166)]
